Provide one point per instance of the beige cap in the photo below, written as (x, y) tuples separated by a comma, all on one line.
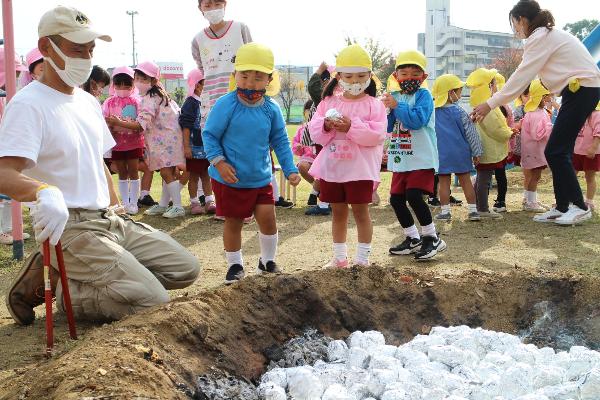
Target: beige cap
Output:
[(69, 23)]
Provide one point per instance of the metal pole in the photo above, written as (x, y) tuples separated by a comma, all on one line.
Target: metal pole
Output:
[(133, 57), (11, 89)]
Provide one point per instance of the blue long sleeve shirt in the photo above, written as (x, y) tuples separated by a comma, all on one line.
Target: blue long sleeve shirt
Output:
[(244, 134)]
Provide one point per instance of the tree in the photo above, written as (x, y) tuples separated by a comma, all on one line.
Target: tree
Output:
[(382, 58), (291, 90), (178, 95), (581, 29), (507, 61)]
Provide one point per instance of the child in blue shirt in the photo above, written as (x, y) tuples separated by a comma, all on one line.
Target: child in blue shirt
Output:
[(413, 156), (241, 128)]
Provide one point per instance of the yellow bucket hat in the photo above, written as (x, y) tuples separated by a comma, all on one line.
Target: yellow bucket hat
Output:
[(536, 92), (500, 80), (254, 57), (442, 85), (273, 88), (598, 106), (478, 81), (411, 57), (353, 59)]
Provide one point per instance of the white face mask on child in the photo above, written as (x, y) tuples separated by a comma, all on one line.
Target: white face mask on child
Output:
[(143, 87), (354, 88), (214, 16)]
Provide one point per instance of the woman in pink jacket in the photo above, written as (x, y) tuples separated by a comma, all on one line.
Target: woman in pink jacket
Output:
[(351, 128), (564, 66)]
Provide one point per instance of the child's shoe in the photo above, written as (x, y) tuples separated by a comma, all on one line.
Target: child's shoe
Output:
[(360, 264), (499, 206), (335, 263), (443, 217), (155, 210), (430, 248), (434, 202), (269, 268), (197, 209), (454, 201), (534, 206), (131, 209), (174, 212), (146, 201), (490, 214), (474, 216), (283, 203), (211, 207), (312, 200), (316, 210), (235, 273)]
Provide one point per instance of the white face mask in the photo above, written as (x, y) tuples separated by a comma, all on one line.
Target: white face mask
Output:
[(214, 16), (77, 70), (354, 88)]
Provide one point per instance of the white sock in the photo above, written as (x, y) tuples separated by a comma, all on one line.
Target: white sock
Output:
[(234, 257), (313, 191), (275, 187), (5, 217), (268, 246), (533, 197), (362, 253), (446, 209), (525, 195), (322, 204), (200, 188), (429, 230), (195, 200), (210, 198), (472, 208), (340, 251), (134, 190), (165, 196), (175, 192), (144, 193), (412, 232), (124, 191)]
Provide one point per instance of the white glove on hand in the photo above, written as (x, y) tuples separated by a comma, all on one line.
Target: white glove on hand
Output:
[(50, 215)]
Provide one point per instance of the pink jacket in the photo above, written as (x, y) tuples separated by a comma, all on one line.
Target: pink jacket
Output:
[(590, 130), (126, 108), (304, 152), (355, 155), (535, 131)]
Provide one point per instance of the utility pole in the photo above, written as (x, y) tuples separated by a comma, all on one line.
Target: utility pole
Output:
[(133, 55)]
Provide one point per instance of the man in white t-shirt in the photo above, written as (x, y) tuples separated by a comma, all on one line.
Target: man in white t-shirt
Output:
[(52, 139)]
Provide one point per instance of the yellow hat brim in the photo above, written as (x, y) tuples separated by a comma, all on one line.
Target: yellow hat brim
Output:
[(440, 100)]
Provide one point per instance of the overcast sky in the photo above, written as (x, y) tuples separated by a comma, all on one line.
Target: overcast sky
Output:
[(299, 32)]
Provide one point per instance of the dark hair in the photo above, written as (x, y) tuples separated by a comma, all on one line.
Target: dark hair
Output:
[(122, 79), (536, 16), (328, 91), (156, 89), (409, 66), (98, 75), (35, 64), (308, 105), (504, 111), (526, 91)]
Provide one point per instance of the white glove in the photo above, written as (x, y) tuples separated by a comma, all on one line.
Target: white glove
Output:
[(50, 215)]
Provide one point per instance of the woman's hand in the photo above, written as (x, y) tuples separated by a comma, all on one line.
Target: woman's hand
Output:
[(480, 112)]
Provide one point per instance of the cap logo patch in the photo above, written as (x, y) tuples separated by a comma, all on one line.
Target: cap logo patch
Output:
[(82, 19)]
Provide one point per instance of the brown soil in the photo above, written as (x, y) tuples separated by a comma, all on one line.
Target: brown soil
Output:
[(159, 353)]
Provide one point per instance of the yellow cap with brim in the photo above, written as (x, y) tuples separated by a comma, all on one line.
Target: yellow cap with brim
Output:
[(353, 59), (478, 81), (442, 85), (536, 92), (411, 57), (254, 57), (500, 80)]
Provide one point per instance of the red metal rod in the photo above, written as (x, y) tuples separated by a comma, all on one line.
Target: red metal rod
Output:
[(65, 290), (48, 298)]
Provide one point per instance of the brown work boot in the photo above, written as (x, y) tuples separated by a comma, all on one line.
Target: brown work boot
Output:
[(27, 290)]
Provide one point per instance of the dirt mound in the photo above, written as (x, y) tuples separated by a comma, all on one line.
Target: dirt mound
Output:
[(159, 354)]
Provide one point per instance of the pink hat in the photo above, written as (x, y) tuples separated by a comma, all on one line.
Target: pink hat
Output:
[(18, 66), (149, 68), (124, 70), (194, 77), (33, 56)]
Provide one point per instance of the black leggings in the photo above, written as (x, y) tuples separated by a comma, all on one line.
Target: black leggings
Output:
[(414, 197), (575, 109), (502, 182)]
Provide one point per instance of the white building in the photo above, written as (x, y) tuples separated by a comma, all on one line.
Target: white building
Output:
[(453, 50)]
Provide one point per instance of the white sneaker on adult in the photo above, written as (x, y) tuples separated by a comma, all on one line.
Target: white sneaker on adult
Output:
[(174, 212), (574, 216), (549, 216)]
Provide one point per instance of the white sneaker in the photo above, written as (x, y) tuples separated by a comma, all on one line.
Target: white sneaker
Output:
[(132, 209), (489, 215), (549, 216), (155, 210), (534, 206), (174, 212), (574, 216)]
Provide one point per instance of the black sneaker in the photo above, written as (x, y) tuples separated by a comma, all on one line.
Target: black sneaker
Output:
[(409, 246), (430, 247), (454, 201), (434, 202), (312, 200), (499, 206), (316, 210), (270, 267), (283, 203), (235, 273), (146, 201), (202, 200)]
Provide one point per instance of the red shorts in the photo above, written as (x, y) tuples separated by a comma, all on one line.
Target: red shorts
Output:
[(128, 155), (240, 203), (422, 179), (582, 163), (356, 192), (492, 166), (196, 165)]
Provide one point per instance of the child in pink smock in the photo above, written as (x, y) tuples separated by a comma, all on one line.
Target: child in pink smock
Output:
[(158, 117), (351, 128), (306, 155), (124, 104), (536, 127), (587, 154)]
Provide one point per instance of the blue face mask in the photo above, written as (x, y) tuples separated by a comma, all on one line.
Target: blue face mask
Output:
[(251, 95)]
